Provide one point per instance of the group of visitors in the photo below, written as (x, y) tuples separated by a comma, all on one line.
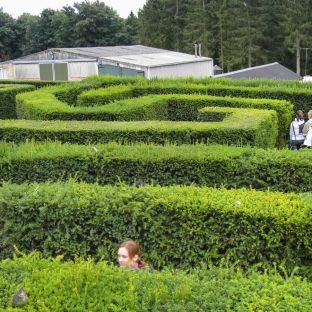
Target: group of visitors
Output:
[(300, 131)]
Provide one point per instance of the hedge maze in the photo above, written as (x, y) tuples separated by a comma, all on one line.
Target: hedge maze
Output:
[(195, 170)]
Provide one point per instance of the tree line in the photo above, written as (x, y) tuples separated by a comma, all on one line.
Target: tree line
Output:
[(235, 33)]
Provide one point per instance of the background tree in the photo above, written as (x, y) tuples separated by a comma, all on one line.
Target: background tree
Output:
[(98, 25), (201, 26), (298, 27), (8, 42), (26, 27), (132, 28)]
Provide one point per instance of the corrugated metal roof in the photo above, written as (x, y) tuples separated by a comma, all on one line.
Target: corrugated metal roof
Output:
[(270, 71), (113, 51), (157, 59), (136, 55)]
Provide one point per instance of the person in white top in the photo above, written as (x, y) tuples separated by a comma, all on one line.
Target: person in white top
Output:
[(307, 131), (295, 131)]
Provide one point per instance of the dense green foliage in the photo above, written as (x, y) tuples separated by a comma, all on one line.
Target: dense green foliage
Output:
[(7, 99), (162, 198), (88, 286), (177, 226), (165, 165), (226, 126), (52, 103), (36, 83), (262, 31)]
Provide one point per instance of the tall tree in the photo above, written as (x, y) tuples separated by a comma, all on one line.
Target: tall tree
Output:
[(98, 25), (202, 27), (27, 27), (66, 35), (132, 28), (8, 43), (156, 24), (47, 29), (298, 27)]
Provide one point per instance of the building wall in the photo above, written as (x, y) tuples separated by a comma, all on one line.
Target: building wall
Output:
[(6, 71), (76, 70), (26, 71), (199, 69), (81, 70)]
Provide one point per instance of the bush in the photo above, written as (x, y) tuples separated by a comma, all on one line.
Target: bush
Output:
[(35, 83), (42, 104), (240, 126), (211, 165), (88, 286), (69, 93), (7, 99), (177, 226), (298, 93)]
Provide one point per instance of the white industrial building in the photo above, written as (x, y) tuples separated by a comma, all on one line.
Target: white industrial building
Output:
[(78, 63)]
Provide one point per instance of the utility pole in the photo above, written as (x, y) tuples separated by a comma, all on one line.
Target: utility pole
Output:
[(297, 45), (306, 60)]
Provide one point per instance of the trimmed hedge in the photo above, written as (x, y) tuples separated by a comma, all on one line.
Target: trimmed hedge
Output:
[(88, 286), (297, 93), (69, 93), (210, 165), (240, 126), (7, 99), (177, 226), (36, 83), (42, 104)]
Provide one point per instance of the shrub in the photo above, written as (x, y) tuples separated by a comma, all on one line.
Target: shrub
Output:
[(211, 165), (42, 104), (88, 286), (35, 83), (177, 226), (7, 99), (240, 126), (69, 93)]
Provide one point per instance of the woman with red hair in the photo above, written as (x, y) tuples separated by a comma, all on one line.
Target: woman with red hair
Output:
[(129, 256)]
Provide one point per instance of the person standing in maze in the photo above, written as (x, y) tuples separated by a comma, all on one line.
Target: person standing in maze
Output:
[(307, 131), (296, 131)]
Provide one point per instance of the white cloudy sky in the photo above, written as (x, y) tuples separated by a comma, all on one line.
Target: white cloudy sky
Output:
[(34, 7)]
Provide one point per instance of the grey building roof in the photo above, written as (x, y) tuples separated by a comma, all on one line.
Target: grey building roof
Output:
[(157, 59), (137, 55), (271, 71), (101, 52)]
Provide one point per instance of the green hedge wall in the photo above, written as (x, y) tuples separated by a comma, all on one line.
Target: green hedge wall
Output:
[(43, 104), (36, 83), (7, 99), (177, 226), (234, 126), (69, 93), (87, 286), (165, 165), (297, 93)]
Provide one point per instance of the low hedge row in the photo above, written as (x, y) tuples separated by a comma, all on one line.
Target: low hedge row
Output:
[(183, 107), (210, 165), (42, 104), (36, 83), (87, 286), (177, 226), (7, 99), (69, 93), (234, 127), (297, 93)]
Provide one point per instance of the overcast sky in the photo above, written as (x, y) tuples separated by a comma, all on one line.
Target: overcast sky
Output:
[(34, 7)]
